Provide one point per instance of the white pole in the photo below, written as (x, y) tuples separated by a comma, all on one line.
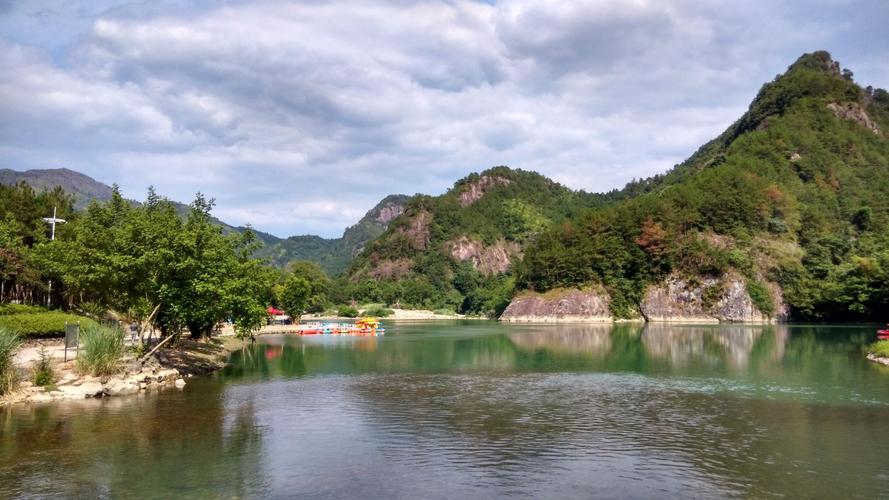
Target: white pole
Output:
[(52, 237)]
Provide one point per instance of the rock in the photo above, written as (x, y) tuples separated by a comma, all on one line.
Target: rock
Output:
[(704, 300), (853, 111), (167, 375), (735, 304), (678, 301), (877, 359), (68, 377), (84, 390), (473, 191), (487, 260), (180, 383), (560, 306), (25, 385), (40, 398), (119, 387)]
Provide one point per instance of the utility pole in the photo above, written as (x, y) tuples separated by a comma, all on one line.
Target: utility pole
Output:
[(52, 221)]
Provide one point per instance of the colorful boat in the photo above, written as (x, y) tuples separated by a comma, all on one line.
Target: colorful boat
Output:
[(362, 327), (883, 334)]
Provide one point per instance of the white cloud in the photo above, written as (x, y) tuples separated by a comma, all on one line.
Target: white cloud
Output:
[(299, 116)]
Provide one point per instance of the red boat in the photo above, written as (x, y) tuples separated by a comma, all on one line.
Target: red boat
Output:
[(883, 334)]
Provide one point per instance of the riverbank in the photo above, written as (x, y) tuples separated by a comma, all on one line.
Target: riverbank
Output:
[(169, 368)]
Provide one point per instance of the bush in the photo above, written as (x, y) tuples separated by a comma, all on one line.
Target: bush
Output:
[(379, 312), (760, 297), (19, 309), (42, 324), (102, 348), (879, 348), (347, 312), (43, 372), (446, 312), (9, 342)]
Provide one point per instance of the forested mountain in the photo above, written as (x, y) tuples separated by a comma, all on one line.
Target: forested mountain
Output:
[(334, 255), (792, 200), (82, 188), (456, 250)]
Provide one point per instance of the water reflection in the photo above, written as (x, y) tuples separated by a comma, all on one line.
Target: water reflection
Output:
[(149, 446)]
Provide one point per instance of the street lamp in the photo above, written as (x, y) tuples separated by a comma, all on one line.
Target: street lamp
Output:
[(52, 221)]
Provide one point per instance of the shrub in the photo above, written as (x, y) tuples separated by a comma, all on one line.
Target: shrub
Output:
[(879, 348), (9, 342), (42, 324), (347, 312), (102, 348), (446, 312), (19, 309), (760, 297), (379, 312), (43, 372)]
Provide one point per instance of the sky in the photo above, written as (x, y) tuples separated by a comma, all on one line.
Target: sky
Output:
[(298, 117)]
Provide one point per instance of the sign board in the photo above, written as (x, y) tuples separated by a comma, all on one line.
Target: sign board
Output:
[(72, 337)]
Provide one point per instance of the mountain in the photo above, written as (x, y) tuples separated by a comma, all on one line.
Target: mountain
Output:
[(455, 250), (335, 254), (82, 187), (784, 215), (332, 254)]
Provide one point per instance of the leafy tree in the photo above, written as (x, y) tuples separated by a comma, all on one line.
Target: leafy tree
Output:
[(295, 296)]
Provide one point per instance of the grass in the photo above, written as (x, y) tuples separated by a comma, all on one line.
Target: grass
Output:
[(102, 349), (44, 375), (378, 312), (879, 348), (9, 342), (347, 312)]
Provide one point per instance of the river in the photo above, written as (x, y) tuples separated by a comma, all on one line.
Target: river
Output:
[(483, 410)]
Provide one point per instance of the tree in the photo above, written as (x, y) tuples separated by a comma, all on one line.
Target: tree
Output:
[(295, 296)]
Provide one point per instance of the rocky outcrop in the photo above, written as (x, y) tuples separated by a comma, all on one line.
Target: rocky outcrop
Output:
[(560, 306), (74, 387), (853, 111), (475, 190), (487, 260), (706, 300), (417, 231), (678, 300), (389, 212), (389, 269)]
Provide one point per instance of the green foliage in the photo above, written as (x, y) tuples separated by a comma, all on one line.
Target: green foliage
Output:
[(378, 312), (102, 349), (19, 309), (44, 375), (759, 294), (319, 283), (9, 342), (347, 312), (295, 296), (132, 258), (44, 324), (879, 348)]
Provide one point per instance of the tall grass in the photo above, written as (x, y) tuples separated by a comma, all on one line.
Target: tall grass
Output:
[(102, 349), (9, 342), (879, 348)]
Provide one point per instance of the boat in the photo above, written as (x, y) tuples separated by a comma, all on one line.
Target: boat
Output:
[(363, 327), (883, 334)]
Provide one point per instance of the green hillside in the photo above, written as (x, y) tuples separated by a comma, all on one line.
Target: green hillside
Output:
[(456, 250), (795, 193), (335, 254)]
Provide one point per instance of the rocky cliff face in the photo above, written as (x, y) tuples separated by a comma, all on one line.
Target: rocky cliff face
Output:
[(476, 190), (560, 306), (676, 300), (487, 260), (707, 300)]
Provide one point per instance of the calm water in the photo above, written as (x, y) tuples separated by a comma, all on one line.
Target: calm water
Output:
[(482, 410)]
